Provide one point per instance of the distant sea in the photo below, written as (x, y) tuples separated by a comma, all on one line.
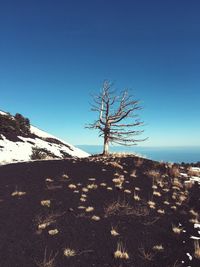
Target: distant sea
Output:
[(167, 154)]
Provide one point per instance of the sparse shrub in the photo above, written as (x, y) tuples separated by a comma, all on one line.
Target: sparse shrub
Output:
[(41, 153), (18, 124), (22, 123), (65, 154)]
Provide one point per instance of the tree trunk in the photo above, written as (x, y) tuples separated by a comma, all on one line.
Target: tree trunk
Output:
[(106, 146)]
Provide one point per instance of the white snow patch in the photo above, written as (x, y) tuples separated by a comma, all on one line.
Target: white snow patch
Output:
[(197, 225), (76, 151), (40, 133), (195, 179), (189, 256), (3, 113), (21, 151), (195, 237), (183, 174), (195, 169)]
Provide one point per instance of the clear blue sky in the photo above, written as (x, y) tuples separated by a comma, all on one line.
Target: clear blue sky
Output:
[(53, 54)]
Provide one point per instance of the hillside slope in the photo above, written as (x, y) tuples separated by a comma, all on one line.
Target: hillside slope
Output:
[(98, 212), (17, 145)]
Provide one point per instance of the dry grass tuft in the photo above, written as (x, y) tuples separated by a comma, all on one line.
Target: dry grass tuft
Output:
[(53, 232), (89, 209), (109, 188), (72, 186), (156, 193), (68, 252), (194, 213), (103, 184), (49, 180), (177, 229), (123, 208), (46, 203), (173, 207), (174, 171), (115, 165), (81, 207), (136, 197), (92, 186), (121, 252), (43, 221), (114, 232), (151, 204), (166, 202), (133, 174), (155, 174), (48, 261), (146, 255), (95, 218), (84, 189), (118, 181), (196, 249), (177, 185), (161, 211), (18, 193), (65, 176), (82, 199), (127, 191), (159, 248)]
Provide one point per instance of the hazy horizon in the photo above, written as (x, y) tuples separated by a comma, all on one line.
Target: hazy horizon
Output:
[(168, 154)]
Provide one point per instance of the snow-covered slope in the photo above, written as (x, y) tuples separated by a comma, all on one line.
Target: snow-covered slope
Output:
[(21, 149)]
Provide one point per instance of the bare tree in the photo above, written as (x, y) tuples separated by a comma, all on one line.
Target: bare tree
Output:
[(117, 118)]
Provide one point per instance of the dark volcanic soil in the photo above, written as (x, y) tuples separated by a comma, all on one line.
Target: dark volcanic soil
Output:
[(83, 204)]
